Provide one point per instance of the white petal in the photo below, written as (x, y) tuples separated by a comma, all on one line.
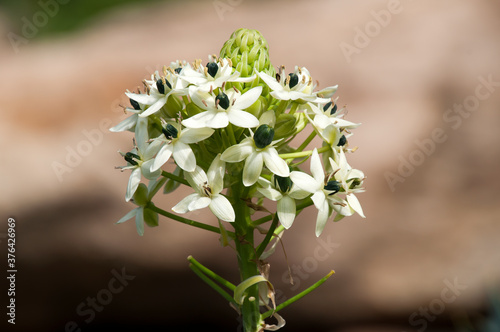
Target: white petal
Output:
[(190, 136), (152, 149), (142, 98), (327, 92), (316, 168), (129, 215), (182, 206), (286, 211), (218, 120), (237, 153), (297, 193), (274, 162), (252, 168), (146, 170), (141, 134), (198, 97), (242, 119), (133, 183), (215, 175), (305, 181), (355, 205), (200, 203), (126, 124), (222, 208), (184, 156), (270, 81), (162, 157), (248, 98), (155, 107), (322, 218), (139, 221), (319, 199), (199, 120), (270, 193), (281, 94), (196, 178)]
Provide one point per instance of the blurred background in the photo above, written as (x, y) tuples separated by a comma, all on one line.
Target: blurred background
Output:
[(422, 77)]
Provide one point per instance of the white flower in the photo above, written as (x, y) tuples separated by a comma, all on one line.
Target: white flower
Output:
[(283, 191), (208, 187), (140, 160), (257, 150), (130, 122), (351, 181), (297, 85), (328, 115), (159, 89), (223, 109), (213, 75), (175, 140), (316, 185)]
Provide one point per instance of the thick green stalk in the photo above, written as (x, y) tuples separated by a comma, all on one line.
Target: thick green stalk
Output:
[(247, 260)]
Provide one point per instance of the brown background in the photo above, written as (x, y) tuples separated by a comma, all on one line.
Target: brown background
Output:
[(440, 223)]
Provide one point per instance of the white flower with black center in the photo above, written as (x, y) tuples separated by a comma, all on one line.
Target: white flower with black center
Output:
[(257, 150), (213, 75), (294, 86), (159, 88), (284, 192), (328, 114), (320, 189), (207, 188), (175, 141), (351, 181), (140, 160), (227, 107)]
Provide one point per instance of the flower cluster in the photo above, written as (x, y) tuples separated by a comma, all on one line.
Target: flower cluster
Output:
[(231, 121), (229, 130), (204, 116)]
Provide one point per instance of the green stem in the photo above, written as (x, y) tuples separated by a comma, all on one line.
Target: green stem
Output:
[(247, 260), (186, 221), (262, 246), (306, 142), (301, 154), (212, 284), (298, 296), (175, 178), (230, 133), (211, 274), (294, 108), (281, 107)]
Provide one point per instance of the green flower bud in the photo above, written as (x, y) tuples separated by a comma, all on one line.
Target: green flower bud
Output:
[(284, 184), (171, 185), (172, 107), (263, 136), (192, 109), (285, 125), (257, 108), (355, 183), (248, 51), (150, 218), (141, 195), (333, 186), (170, 132)]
